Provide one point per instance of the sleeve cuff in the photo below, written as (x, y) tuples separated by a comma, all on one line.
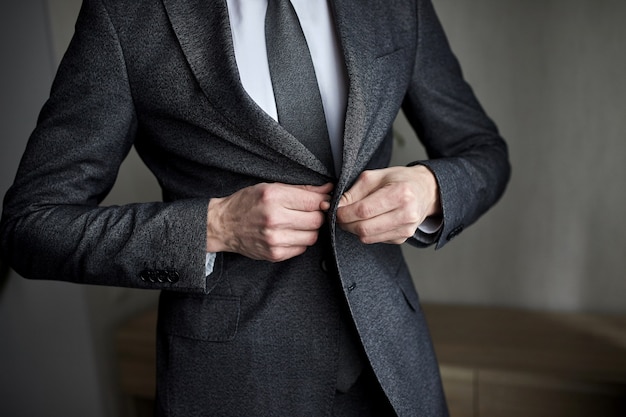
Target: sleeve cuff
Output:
[(209, 263), (430, 225)]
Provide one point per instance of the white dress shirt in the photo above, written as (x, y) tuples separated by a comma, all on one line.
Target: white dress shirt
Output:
[(247, 23)]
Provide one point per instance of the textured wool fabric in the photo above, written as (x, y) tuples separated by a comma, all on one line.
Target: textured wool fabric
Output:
[(300, 112), (254, 337), (365, 399)]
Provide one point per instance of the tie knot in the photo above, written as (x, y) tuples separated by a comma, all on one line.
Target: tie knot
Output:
[(281, 18)]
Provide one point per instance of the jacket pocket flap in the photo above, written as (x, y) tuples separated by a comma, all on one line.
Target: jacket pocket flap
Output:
[(210, 318), (408, 289)]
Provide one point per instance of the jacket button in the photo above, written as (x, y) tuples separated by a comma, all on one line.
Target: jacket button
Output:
[(144, 275), (455, 232), (148, 275), (324, 265), (160, 276)]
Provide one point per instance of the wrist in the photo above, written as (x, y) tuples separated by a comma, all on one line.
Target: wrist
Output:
[(215, 227), (431, 188)]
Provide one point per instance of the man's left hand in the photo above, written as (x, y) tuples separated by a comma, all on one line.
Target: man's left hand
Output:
[(387, 205)]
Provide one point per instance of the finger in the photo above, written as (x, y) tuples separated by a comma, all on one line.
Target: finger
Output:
[(379, 202), (396, 237), (377, 230), (282, 246), (279, 254), (290, 238), (289, 219), (325, 206), (303, 199), (367, 183), (367, 229)]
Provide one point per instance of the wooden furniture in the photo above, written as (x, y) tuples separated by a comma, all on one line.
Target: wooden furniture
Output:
[(505, 362), (135, 345), (494, 362)]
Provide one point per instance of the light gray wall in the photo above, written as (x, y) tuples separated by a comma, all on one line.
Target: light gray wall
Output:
[(550, 72), (56, 339), (47, 361)]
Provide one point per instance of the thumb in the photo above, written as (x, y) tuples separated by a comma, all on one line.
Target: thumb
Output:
[(364, 186)]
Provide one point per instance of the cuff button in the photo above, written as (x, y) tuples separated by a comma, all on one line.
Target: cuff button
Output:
[(173, 277), (455, 232)]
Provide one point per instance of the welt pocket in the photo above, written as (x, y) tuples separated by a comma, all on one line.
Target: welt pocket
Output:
[(404, 281), (390, 52), (212, 318)]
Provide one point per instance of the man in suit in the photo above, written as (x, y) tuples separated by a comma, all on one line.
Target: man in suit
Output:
[(276, 246)]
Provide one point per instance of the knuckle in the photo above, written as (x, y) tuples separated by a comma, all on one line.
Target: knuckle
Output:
[(363, 211), (405, 194), (314, 237), (267, 192), (271, 238), (270, 223), (367, 176), (362, 231), (347, 196), (365, 240), (407, 197), (410, 218), (275, 254), (407, 232), (317, 222), (265, 233)]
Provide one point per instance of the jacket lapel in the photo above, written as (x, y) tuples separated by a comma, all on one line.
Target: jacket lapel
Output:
[(356, 37), (203, 31)]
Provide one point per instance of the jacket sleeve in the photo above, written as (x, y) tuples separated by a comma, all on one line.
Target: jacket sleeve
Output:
[(52, 225), (466, 153)]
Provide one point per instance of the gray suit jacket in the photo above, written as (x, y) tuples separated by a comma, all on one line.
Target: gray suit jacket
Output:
[(252, 338)]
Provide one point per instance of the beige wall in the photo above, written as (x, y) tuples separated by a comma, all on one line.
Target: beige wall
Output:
[(552, 75)]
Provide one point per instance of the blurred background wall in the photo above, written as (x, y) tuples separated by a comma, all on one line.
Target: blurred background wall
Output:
[(551, 73)]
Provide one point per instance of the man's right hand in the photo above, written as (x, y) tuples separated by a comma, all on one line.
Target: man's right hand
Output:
[(272, 222)]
